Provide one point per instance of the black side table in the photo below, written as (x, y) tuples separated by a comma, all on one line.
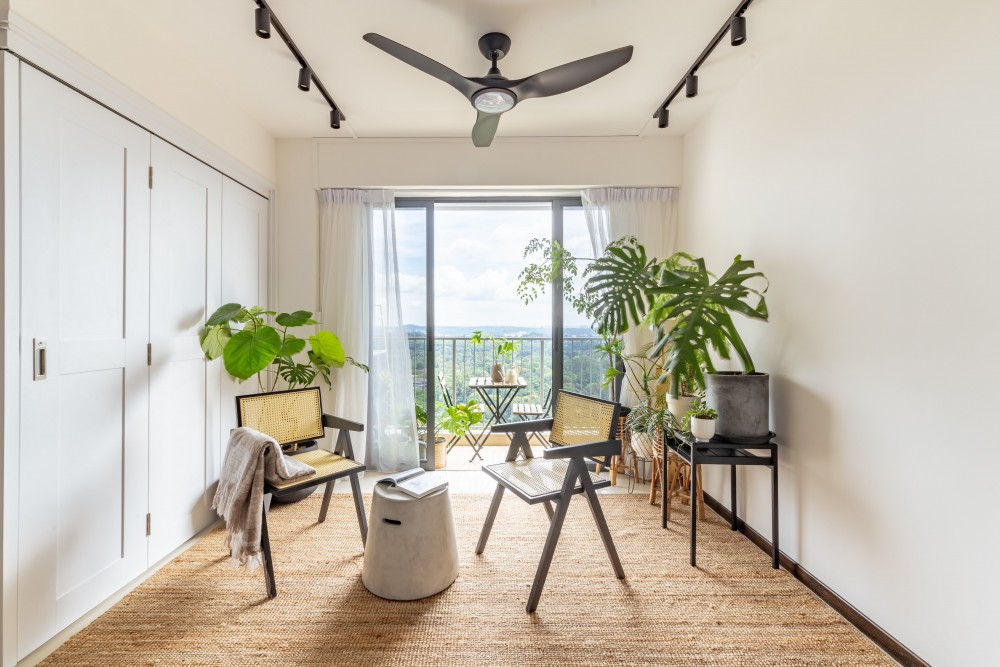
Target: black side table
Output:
[(721, 453)]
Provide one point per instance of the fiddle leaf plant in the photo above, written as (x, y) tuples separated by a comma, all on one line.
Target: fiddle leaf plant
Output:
[(251, 346)]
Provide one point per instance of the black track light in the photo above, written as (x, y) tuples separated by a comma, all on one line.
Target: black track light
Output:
[(692, 85), (664, 118), (335, 118), (738, 30), (305, 78), (262, 18)]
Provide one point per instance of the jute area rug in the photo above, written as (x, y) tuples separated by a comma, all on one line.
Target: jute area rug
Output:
[(732, 610)]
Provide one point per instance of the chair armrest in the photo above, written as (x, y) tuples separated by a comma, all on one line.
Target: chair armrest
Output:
[(523, 427), (588, 450), (330, 421)]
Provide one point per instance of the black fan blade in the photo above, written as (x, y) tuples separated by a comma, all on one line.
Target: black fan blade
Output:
[(571, 75), (423, 63), (485, 129)]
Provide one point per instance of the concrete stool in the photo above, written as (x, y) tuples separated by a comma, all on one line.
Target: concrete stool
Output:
[(411, 551)]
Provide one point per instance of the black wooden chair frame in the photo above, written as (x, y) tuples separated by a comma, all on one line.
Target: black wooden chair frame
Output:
[(342, 448), (577, 480)]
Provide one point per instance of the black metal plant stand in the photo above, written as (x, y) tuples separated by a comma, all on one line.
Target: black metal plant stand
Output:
[(717, 452)]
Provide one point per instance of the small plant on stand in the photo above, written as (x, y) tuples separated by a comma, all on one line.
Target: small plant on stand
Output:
[(503, 349), (701, 422)]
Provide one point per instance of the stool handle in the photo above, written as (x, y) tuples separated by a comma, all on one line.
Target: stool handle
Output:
[(393, 522)]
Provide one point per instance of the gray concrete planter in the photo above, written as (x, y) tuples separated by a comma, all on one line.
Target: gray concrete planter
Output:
[(742, 401)]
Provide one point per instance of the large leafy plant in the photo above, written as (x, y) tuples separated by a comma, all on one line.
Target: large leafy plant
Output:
[(257, 342), (689, 306)]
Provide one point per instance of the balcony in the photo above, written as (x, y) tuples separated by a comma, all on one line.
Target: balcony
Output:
[(459, 360)]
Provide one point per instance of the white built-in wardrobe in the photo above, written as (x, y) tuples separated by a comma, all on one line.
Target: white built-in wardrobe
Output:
[(126, 244)]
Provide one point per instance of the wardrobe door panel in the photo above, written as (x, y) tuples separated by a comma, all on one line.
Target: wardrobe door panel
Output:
[(84, 328), (244, 274), (185, 240)]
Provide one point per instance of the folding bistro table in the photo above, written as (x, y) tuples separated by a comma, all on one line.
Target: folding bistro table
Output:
[(497, 402)]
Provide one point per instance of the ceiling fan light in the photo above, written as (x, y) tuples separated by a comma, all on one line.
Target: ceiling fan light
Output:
[(494, 100), (691, 86), (738, 30), (262, 21)]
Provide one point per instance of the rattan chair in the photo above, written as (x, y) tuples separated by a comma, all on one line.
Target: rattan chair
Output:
[(583, 428), (295, 418)]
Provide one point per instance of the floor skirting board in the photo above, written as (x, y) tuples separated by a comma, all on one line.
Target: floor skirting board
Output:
[(883, 639)]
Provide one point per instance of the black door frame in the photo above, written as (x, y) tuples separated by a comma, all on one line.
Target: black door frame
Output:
[(427, 204)]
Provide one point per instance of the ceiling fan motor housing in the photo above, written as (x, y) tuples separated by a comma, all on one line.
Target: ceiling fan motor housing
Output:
[(494, 43)]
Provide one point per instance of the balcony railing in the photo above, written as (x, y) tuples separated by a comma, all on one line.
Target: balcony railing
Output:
[(459, 361)]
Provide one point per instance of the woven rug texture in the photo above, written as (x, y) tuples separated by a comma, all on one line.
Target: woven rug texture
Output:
[(733, 609)]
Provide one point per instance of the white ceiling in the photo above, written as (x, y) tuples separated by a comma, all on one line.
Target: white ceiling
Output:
[(213, 47)]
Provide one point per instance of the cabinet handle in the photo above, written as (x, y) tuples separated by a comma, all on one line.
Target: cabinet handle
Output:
[(38, 346)]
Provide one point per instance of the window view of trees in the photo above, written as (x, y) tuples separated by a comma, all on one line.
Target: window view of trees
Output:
[(478, 256)]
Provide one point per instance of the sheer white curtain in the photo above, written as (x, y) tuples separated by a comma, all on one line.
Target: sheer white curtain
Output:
[(359, 298), (650, 215)]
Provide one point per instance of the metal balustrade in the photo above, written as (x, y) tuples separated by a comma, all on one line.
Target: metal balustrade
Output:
[(583, 366)]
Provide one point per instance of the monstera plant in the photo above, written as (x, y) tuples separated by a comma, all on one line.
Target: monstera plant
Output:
[(257, 342), (689, 306)]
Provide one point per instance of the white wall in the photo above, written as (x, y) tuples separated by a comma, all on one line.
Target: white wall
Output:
[(857, 164), (114, 38), (305, 165)]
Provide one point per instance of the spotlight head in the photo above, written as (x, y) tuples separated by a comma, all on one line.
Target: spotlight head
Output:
[(664, 118), (335, 118), (262, 20), (692, 86), (305, 78), (738, 30)]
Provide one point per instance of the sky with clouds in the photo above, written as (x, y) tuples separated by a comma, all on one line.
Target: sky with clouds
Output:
[(479, 253)]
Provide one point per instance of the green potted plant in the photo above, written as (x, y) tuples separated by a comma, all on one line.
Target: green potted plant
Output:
[(701, 422), (503, 350), (691, 310), (455, 420), (254, 342)]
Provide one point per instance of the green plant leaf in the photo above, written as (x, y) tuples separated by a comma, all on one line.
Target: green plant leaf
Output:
[(291, 346), (327, 348), (214, 339), (249, 352), (620, 284), (226, 313), (297, 319), (296, 374), (700, 310)]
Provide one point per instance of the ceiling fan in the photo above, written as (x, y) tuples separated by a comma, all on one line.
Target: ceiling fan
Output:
[(494, 94)]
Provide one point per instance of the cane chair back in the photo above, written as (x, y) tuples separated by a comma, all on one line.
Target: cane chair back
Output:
[(579, 420), (286, 416)]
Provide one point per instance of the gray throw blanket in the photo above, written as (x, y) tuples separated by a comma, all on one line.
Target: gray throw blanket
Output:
[(251, 458)]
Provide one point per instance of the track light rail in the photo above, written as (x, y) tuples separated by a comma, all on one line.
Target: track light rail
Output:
[(297, 54), (700, 60)]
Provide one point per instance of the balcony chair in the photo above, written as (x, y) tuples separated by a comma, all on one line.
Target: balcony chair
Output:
[(448, 401), (295, 418), (526, 411), (582, 428)]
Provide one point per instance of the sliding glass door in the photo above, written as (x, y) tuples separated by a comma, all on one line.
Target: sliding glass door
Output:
[(459, 265)]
